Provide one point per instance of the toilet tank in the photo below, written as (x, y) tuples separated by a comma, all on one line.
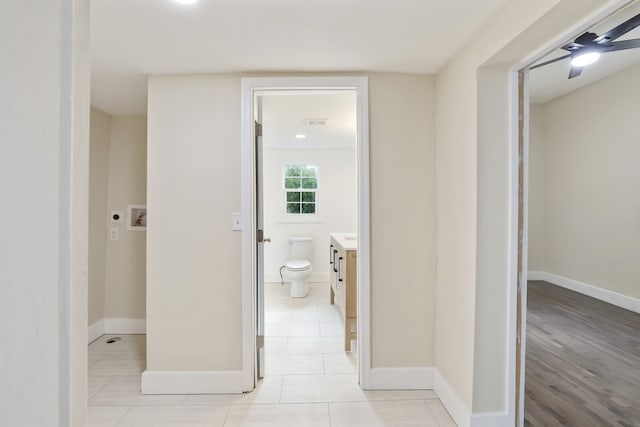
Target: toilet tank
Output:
[(300, 248)]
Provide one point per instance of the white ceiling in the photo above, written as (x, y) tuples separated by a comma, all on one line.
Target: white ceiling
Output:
[(550, 82), (285, 116), (134, 38)]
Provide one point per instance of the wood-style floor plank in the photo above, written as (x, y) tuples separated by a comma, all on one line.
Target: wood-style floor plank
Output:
[(582, 360)]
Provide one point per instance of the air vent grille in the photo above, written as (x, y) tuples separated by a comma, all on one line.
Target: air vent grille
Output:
[(316, 122)]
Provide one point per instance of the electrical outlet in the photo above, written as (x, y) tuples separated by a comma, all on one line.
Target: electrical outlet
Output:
[(115, 217)]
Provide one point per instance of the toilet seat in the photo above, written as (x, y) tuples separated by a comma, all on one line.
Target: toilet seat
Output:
[(298, 265)]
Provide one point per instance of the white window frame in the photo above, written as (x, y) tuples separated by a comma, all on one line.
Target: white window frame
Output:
[(299, 217)]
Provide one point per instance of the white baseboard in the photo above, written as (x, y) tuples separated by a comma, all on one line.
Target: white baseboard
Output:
[(537, 275), (116, 326), (459, 411), (450, 399), (401, 378), (191, 382), (620, 300), (491, 419), (95, 331), (315, 278)]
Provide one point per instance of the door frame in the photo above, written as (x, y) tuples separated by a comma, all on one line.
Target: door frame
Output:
[(249, 87)]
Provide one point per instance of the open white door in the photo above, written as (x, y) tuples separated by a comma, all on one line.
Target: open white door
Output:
[(260, 240)]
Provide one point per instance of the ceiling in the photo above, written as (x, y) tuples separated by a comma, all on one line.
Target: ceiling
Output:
[(550, 82), (131, 39), (285, 116)]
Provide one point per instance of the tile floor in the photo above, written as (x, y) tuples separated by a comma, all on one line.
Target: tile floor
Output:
[(310, 380)]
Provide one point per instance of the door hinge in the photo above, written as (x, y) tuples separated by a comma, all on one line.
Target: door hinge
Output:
[(258, 129), (259, 341)]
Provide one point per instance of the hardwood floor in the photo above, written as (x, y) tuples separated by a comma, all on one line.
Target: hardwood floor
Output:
[(582, 362)]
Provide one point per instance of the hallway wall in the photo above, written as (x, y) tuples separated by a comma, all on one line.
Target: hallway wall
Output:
[(194, 272), (125, 279), (117, 269), (100, 135), (44, 179)]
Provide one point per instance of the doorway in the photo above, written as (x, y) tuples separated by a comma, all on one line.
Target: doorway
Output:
[(582, 269), (263, 100), (528, 224), (307, 192)]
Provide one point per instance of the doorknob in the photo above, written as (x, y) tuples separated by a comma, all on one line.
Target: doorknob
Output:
[(267, 240)]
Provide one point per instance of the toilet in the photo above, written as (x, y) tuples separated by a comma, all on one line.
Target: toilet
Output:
[(297, 269)]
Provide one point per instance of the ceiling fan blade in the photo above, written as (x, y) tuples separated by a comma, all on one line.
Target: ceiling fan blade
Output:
[(625, 44), (575, 72), (551, 61), (621, 29)]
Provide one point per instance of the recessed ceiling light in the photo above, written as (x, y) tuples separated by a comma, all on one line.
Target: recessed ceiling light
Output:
[(301, 136), (187, 1)]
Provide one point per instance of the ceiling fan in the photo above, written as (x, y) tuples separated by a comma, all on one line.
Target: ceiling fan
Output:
[(586, 49)]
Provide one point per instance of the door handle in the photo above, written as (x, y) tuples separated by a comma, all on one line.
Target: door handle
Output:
[(330, 261), (339, 269), (334, 261), (260, 237)]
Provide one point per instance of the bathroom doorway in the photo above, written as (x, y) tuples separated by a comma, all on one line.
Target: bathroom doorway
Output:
[(308, 181), (309, 193)]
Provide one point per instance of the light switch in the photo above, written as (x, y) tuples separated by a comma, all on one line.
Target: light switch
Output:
[(236, 219), (114, 234)]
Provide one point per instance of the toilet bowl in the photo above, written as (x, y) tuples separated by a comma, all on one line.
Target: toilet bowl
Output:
[(297, 272), (297, 269)]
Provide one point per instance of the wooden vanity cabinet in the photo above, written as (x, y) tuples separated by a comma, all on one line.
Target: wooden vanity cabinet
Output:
[(343, 261)]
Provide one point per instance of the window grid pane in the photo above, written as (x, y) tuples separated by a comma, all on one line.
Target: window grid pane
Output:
[(304, 179), (293, 208), (308, 208), (294, 196)]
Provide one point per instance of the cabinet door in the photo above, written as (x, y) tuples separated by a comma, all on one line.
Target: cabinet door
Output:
[(333, 275), (341, 281)]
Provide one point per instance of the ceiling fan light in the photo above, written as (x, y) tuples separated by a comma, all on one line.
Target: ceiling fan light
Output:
[(585, 58)]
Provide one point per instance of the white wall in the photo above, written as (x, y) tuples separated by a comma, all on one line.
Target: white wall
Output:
[(193, 270), (125, 277), (590, 177), (43, 222), (193, 256), (117, 270), (402, 153), (98, 185), (337, 206)]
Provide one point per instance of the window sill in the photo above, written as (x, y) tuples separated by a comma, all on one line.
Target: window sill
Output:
[(300, 220)]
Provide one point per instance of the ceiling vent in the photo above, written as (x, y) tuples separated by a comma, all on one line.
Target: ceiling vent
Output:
[(316, 122)]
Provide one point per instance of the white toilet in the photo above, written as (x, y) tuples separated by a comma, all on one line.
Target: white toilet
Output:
[(297, 269)]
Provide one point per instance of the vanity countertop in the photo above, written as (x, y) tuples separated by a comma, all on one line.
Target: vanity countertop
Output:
[(348, 241)]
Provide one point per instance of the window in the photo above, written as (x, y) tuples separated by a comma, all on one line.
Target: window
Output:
[(300, 189)]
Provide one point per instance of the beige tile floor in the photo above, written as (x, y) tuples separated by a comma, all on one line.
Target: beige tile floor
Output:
[(310, 380)]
